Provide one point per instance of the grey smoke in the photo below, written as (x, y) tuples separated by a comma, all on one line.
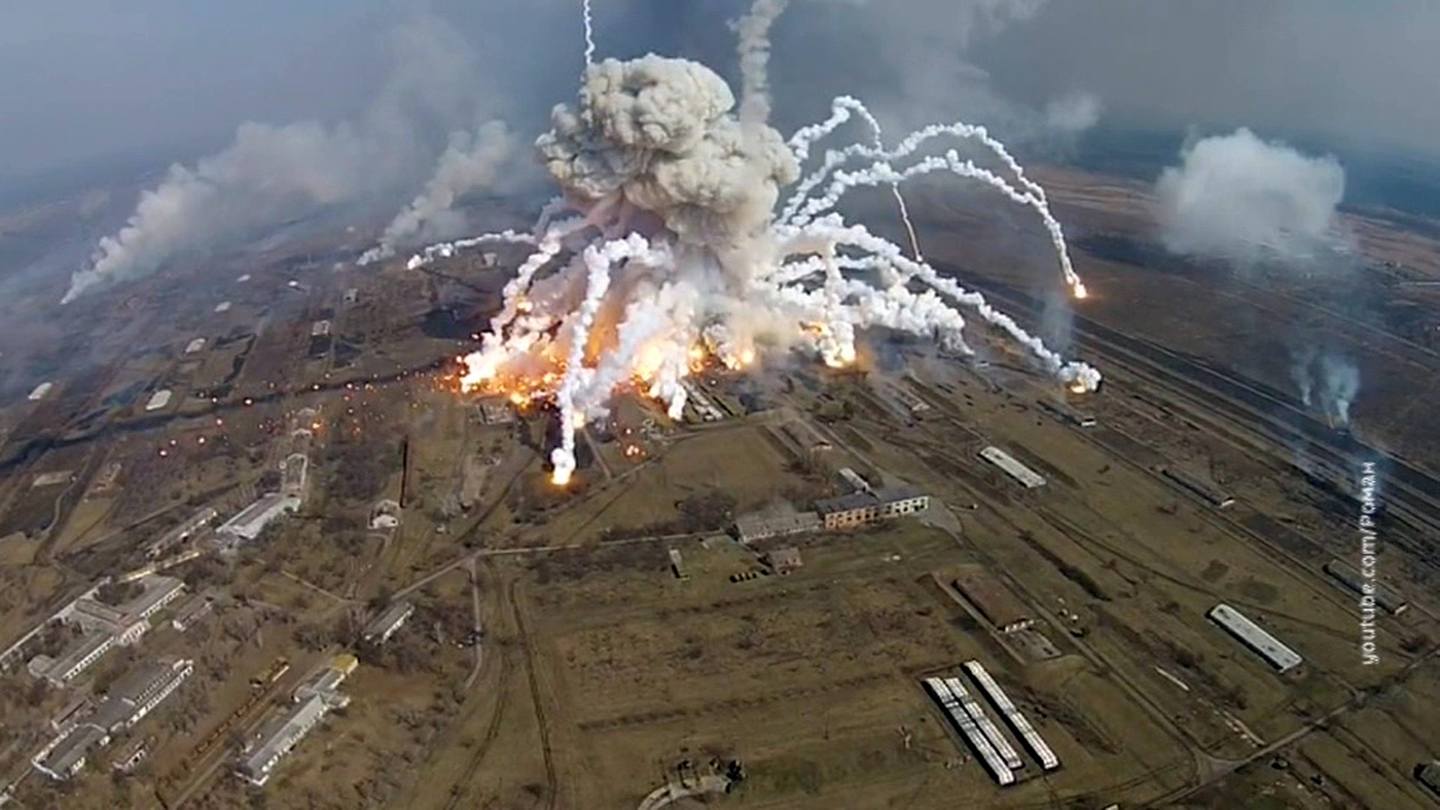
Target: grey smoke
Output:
[(1328, 382), (920, 65), (1073, 112), (272, 173), (484, 159), (1244, 199)]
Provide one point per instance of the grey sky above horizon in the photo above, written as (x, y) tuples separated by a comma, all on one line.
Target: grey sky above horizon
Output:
[(90, 78)]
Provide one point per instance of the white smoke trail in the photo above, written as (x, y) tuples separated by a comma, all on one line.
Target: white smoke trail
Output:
[(801, 141), (598, 261), (841, 110), (754, 52), (444, 250), (589, 34), (882, 172), (1080, 374)]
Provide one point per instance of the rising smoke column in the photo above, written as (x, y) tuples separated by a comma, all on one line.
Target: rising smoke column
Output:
[(677, 252), (271, 174), (472, 161)]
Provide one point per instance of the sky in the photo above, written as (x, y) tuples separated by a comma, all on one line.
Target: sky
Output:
[(104, 77)]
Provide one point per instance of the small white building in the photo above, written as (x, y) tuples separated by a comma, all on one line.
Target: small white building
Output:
[(222, 307), (1007, 463), (384, 626), (278, 738), (252, 520), (195, 345), (40, 391), (158, 400)]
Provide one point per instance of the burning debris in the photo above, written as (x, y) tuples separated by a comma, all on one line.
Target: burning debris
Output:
[(672, 245)]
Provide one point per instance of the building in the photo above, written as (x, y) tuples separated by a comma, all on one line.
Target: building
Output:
[(1252, 635), (39, 392), (130, 621), (75, 660), (965, 724), (784, 560), (1385, 596), (278, 737), (997, 603), (385, 515), (677, 564), (854, 480), (192, 526), (1205, 490), (698, 402), (762, 525), (252, 520), (65, 756), (1429, 776), (1018, 722), (384, 626), (127, 758), (495, 410), (71, 713), (139, 692), (861, 508), (222, 307), (158, 400), (160, 591), (293, 473), (192, 611), (195, 345), (992, 733), (1027, 477), (326, 685)]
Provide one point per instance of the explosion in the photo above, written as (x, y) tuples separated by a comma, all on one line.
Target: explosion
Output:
[(671, 244)]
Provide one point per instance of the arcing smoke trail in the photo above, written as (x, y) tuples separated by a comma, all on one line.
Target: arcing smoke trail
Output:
[(678, 239)]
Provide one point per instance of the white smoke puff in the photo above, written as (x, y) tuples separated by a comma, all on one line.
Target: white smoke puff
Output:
[(658, 133), (1073, 112), (472, 161), (1241, 198)]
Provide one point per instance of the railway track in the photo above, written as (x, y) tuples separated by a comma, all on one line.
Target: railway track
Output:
[(1411, 494)]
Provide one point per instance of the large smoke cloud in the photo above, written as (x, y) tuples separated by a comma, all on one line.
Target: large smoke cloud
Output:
[(1241, 198), (657, 133), (270, 174)]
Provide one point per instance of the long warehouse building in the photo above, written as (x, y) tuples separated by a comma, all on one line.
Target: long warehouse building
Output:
[(987, 726), (1255, 637), (1007, 463), (1017, 721), (962, 720)]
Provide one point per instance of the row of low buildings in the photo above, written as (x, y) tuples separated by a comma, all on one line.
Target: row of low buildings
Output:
[(83, 726), (862, 506), (104, 627), (278, 736)]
